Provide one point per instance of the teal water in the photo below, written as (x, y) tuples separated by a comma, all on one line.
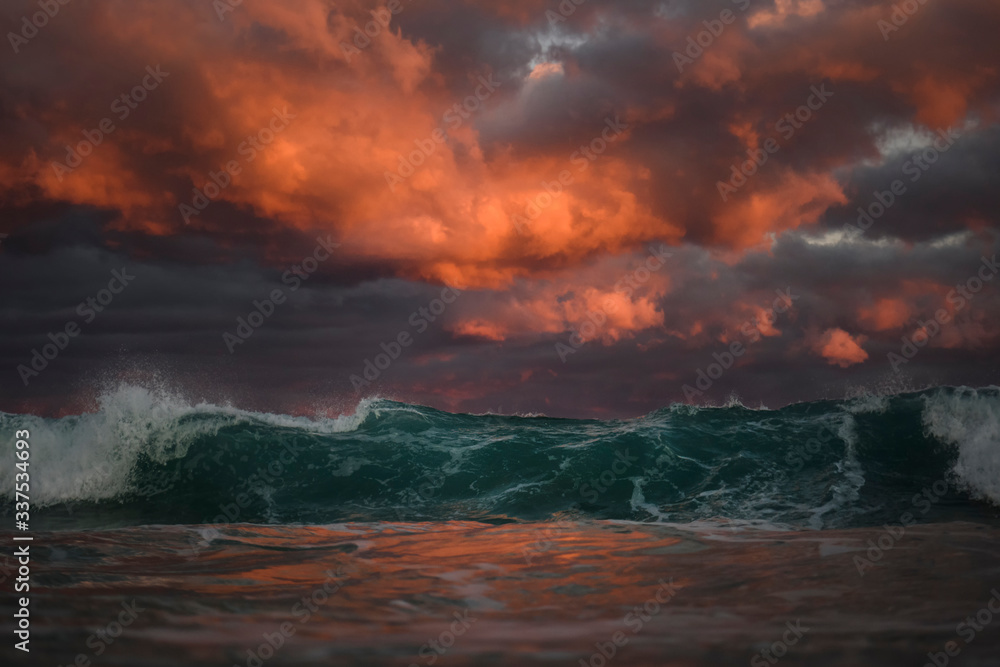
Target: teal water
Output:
[(167, 532), (147, 458)]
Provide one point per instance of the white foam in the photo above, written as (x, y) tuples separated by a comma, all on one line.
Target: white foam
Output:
[(970, 420), (638, 500), (93, 456), (845, 493), (867, 404)]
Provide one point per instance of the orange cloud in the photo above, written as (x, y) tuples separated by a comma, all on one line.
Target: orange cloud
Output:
[(796, 200), (784, 10), (886, 314), (360, 114), (480, 329), (840, 349)]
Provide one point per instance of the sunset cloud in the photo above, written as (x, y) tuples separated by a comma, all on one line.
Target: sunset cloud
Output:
[(532, 160), (840, 348)]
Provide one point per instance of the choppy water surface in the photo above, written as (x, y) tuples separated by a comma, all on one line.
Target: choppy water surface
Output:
[(858, 532)]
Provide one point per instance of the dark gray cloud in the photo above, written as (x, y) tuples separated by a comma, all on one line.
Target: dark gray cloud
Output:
[(782, 230)]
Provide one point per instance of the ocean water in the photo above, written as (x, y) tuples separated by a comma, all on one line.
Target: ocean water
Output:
[(854, 532)]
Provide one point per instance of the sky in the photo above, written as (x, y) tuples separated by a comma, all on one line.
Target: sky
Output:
[(577, 208)]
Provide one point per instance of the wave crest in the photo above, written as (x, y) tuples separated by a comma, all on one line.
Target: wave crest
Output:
[(94, 456), (152, 454), (969, 419)]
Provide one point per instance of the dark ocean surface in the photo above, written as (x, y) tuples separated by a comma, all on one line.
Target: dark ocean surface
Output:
[(855, 532)]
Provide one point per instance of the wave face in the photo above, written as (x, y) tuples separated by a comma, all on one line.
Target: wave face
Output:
[(149, 458)]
